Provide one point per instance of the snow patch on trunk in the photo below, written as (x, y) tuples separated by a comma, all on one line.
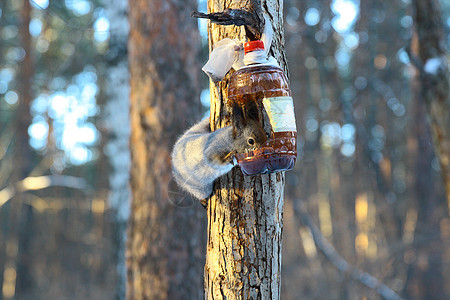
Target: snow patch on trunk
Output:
[(433, 65)]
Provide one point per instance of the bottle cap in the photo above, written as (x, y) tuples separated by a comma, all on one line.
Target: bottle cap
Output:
[(253, 45)]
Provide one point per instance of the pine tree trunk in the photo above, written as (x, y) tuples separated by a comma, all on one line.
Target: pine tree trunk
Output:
[(245, 213), (165, 235), (20, 214), (426, 278), (435, 81)]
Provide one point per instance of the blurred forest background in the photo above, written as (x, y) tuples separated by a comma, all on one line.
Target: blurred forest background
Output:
[(366, 195)]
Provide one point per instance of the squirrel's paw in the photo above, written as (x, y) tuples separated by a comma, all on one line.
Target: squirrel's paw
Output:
[(230, 157), (224, 158)]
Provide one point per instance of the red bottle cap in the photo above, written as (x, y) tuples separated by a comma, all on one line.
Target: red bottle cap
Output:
[(253, 45)]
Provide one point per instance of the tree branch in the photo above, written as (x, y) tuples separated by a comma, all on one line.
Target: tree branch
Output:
[(251, 17), (6, 140), (415, 60), (41, 182), (229, 16), (340, 263)]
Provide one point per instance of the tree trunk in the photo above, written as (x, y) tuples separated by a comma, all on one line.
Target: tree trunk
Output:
[(425, 272), (434, 78), (16, 277), (117, 125), (245, 213), (165, 234)]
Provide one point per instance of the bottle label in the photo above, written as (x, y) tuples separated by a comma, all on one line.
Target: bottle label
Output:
[(281, 113)]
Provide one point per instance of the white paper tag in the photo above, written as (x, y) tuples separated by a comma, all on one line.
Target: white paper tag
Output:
[(281, 113)]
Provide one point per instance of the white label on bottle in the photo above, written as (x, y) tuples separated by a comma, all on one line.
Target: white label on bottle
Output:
[(281, 113)]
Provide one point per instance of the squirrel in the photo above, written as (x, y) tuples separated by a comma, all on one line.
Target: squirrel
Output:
[(200, 156)]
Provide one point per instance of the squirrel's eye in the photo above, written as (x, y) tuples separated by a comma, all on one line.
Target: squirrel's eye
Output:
[(251, 141)]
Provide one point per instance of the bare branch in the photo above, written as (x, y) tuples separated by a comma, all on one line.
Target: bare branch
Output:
[(5, 141), (41, 182), (238, 17), (6, 194), (59, 203), (340, 263), (415, 60), (250, 17)]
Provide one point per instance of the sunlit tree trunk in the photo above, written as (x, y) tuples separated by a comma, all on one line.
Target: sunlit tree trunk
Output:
[(245, 213), (166, 232)]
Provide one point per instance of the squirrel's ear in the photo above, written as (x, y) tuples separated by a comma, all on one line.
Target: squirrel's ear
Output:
[(237, 119), (237, 109), (252, 112)]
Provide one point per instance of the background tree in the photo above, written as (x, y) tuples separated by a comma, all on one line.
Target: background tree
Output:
[(365, 140), (20, 215), (429, 55), (432, 64), (117, 129), (55, 234), (166, 229)]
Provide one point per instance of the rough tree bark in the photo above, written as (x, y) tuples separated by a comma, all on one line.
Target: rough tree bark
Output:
[(165, 247), (434, 77), (245, 213)]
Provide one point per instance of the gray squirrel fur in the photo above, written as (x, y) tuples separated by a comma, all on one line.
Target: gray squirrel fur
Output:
[(200, 156)]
